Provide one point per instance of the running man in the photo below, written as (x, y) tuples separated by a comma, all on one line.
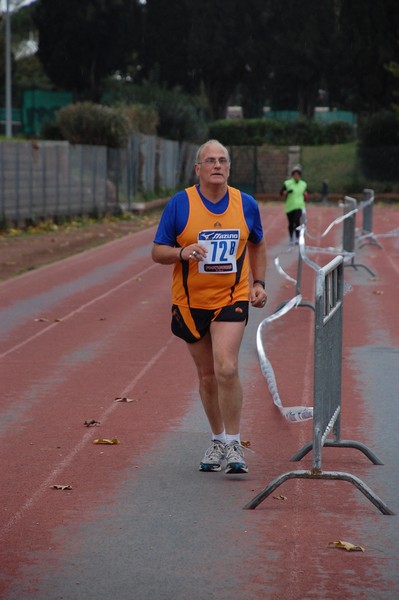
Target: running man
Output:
[(213, 235)]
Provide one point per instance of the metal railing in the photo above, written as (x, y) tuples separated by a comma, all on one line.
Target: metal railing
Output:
[(349, 233), (327, 385), (347, 249), (367, 206)]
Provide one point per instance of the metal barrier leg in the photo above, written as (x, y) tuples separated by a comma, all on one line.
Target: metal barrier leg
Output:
[(358, 446), (263, 494), (337, 475), (339, 444), (370, 241), (302, 452), (356, 265)]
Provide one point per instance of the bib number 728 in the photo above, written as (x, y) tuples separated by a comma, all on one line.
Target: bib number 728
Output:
[(222, 250), (222, 246)]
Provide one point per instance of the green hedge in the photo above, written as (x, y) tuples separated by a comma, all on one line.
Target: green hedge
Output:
[(143, 119), (98, 125), (89, 123), (250, 132)]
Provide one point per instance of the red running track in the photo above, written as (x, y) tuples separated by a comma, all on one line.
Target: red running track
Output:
[(140, 520)]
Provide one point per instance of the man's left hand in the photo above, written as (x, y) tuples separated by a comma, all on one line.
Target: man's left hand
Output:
[(258, 296)]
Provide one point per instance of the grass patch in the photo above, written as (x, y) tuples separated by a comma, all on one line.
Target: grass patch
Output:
[(338, 165)]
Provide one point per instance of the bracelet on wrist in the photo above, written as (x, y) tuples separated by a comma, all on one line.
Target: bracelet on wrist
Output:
[(180, 254), (262, 283)]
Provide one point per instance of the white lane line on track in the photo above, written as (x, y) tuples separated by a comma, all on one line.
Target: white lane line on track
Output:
[(389, 259), (77, 310), (55, 473)]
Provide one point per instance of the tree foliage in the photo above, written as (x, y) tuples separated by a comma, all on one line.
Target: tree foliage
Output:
[(80, 43), (303, 36), (178, 115), (220, 48), (368, 41), (164, 42), (293, 54), (379, 146), (252, 52)]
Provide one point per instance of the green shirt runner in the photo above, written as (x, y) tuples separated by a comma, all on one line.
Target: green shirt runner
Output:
[(295, 198)]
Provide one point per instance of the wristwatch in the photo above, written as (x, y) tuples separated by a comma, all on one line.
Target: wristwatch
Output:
[(262, 283)]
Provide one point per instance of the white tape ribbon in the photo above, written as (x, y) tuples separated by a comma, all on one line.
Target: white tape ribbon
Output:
[(336, 221), (347, 256), (281, 271), (392, 233), (294, 414)]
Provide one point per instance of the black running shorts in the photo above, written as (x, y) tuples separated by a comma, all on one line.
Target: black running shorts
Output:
[(191, 324)]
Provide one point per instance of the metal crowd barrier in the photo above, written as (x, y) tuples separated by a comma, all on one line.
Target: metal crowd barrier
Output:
[(367, 207), (349, 233), (347, 249), (367, 236), (297, 281), (327, 386)]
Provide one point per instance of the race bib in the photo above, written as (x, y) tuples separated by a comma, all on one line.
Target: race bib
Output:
[(222, 246)]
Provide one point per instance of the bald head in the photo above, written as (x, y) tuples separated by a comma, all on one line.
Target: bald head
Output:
[(217, 146)]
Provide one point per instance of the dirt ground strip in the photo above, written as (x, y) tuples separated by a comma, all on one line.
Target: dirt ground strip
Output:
[(24, 251)]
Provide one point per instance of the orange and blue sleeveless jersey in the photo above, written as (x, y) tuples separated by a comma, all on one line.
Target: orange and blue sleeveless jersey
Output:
[(224, 228)]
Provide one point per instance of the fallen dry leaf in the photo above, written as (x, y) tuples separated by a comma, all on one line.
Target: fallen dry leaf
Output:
[(346, 546), (245, 443), (123, 399), (90, 422), (280, 497), (378, 292), (41, 320), (109, 441), (57, 320), (61, 487)]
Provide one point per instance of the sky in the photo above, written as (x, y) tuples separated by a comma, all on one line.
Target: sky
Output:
[(3, 3)]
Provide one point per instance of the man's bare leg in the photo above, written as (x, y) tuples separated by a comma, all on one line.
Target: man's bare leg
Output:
[(202, 355), (226, 341)]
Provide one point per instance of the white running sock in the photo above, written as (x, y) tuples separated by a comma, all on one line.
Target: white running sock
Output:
[(233, 438), (221, 437)]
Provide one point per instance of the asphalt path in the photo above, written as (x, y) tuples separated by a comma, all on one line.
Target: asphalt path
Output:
[(140, 521)]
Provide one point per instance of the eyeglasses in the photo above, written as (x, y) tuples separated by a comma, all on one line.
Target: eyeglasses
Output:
[(212, 161)]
